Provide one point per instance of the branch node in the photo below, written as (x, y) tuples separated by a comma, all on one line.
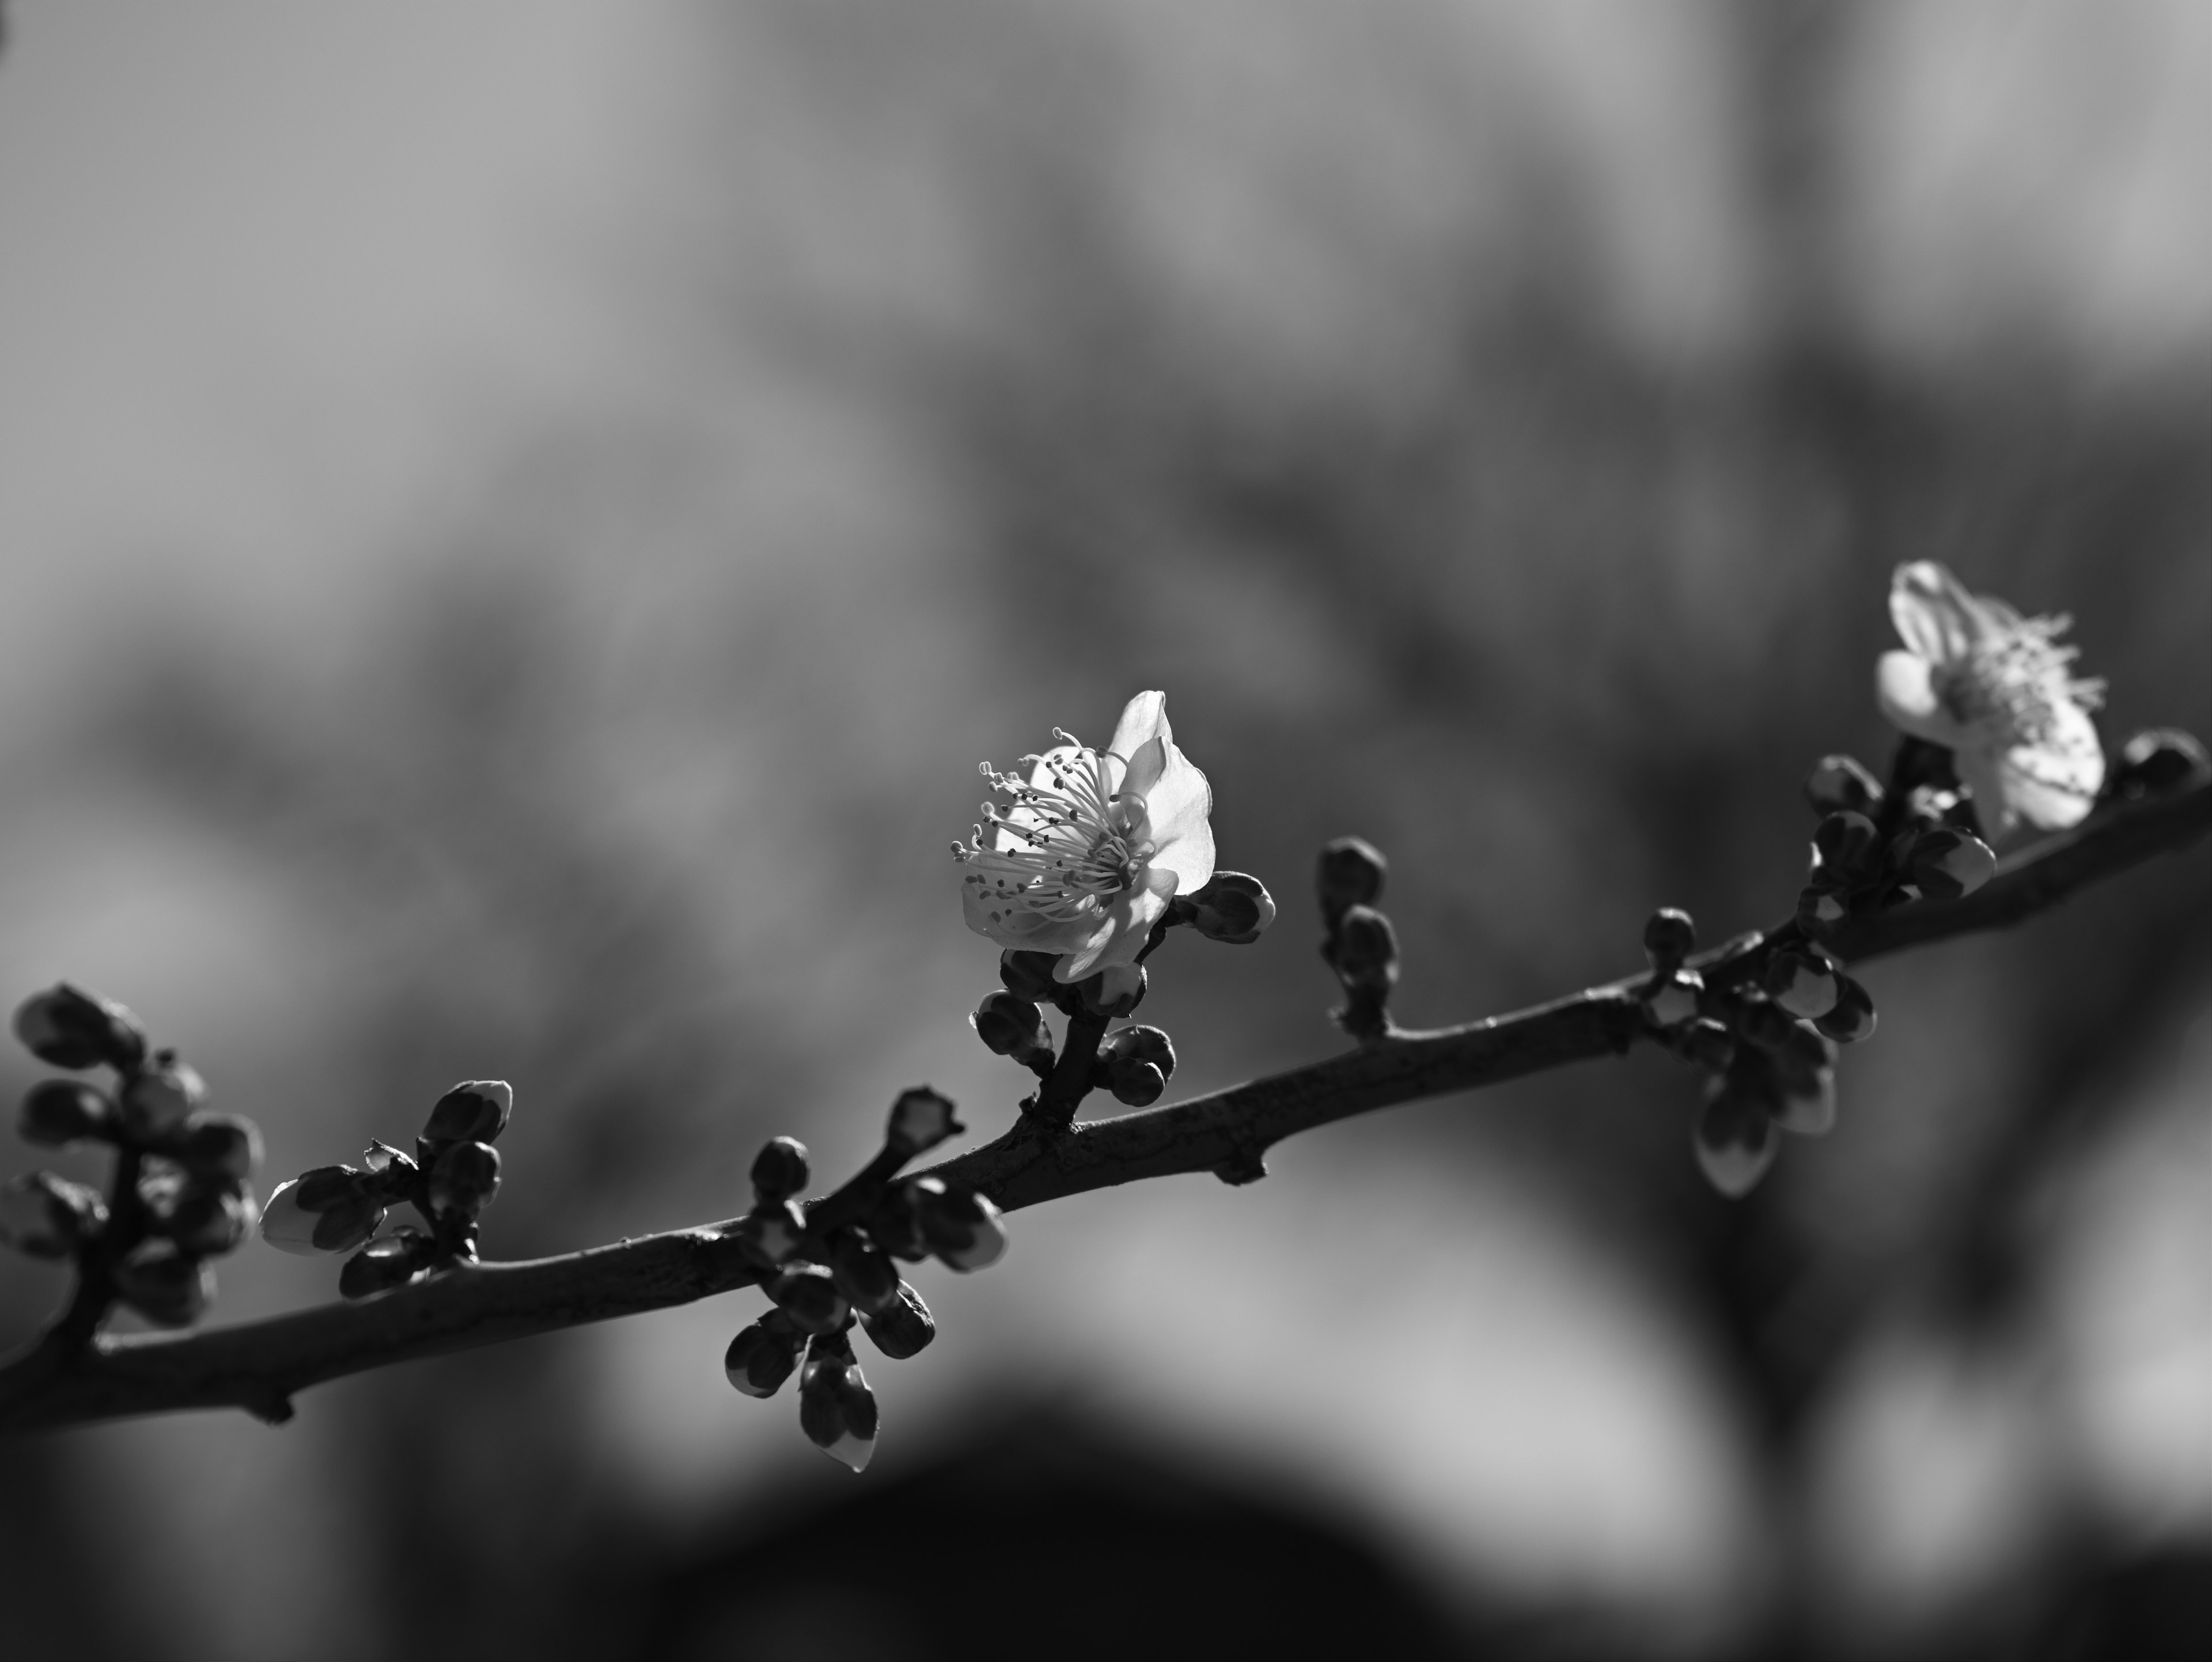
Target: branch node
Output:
[(1246, 1165)]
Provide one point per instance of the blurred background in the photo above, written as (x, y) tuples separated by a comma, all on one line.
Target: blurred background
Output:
[(521, 518)]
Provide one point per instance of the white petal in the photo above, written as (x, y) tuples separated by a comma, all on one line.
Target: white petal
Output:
[(2054, 784), (1179, 810), (1904, 687), (1144, 718), (1933, 615), (1120, 934)]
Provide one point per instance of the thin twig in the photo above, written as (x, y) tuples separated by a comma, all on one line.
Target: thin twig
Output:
[(259, 1366)]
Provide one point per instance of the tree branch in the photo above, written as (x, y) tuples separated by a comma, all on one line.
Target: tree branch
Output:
[(259, 1366)]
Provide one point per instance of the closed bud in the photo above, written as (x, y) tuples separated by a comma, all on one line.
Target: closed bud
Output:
[(1234, 909), (1709, 1044), (1138, 1084), (962, 1226), (808, 1295), (1844, 847), (1763, 1023), (1840, 784), (210, 1217), (332, 1209), (902, 1328), (1135, 1063), (50, 1217), (1669, 936), (1946, 863), (223, 1145), (771, 1233), (168, 1288), (1030, 975), (1113, 992), (1735, 1141), (863, 1273), (1350, 874), (837, 1409), (1671, 1000), (895, 1224), (1801, 985), (1143, 1044), (921, 1119), (156, 1099), (2158, 763), (760, 1359), (475, 1111), (1009, 1025), (1852, 1018), (1366, 951), (69, 1027), (1821, 910), (779, 1170), (61, 1110), (465, 1179), (392, 1261)]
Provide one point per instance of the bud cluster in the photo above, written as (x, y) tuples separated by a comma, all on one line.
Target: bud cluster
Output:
[(449, 1180), (182, 1189), (1876, 847), (1357, 940), (830, 1264)]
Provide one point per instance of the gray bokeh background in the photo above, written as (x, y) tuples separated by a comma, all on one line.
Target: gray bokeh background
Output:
[(522, 519)]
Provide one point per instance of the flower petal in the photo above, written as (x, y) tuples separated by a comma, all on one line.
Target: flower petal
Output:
[(2054, 782), (1904, 687), (1123, 929), (1934, 614), (1144, 718)]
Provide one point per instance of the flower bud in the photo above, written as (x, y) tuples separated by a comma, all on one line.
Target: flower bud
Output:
[(332, 1209), (1135, 1064), (1841, 784), (1852, 1018), (2158, 763), (1138, 1084), (1366, 956), (222, 1144), (863, 1273), (391, 1261), (1800, 985), (1821, 909), (759, 1360), (895, 1224), (1350, 874), (902, 1328), (61, 1111), (962, 1226), (1946, 863), (208, 1217), (1234, 909), (1010, 1025), (1763, 1023), (157, 1098), (921, 1119), (1113, 992), (464, 1179), (50, 1217), (69, 1027), (168, 1288), (1709, 1044), (808, 1295), (1669, 936), (779, 1170), (475, 1111), (1028, 975), (837, 1409), (1735, 1139), (1671, 1000), (771, 1233), (1844, 847)]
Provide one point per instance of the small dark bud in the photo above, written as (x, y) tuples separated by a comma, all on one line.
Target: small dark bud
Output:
[(1709, 1044), (1763, 1023), (2158, 763), (863, 1273), (837, 1409), (56, 1111), (895, 1224), (208, 1217), (168, 1288), (808, 1295), (1114, 992), (1135, 1064), (1350, 874), (1669, 936), (69, 1027), (1138, 1084), (1234, 909), (221, 1144), (1946, 863), (1841, 784), (779, 1170), (1821, 910), (1852, 1018), (1009, 1025), (466, 1178), (1802, 985), (961, 1227), (759, 1360), (921, 1119), (1671, 998), (332, 1209), (156, 1099), (1844, 847), (1028, 975), (1366, 951), (771, 1233), (902, 1328), (391, 1261), (1735, 1140), (50, 1217), (475, 1111)]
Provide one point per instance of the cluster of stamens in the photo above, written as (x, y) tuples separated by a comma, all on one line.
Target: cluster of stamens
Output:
[(1062, 847)]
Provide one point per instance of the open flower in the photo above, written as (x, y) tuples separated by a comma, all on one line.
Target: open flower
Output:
[(1085, 857), (1998, 691)]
